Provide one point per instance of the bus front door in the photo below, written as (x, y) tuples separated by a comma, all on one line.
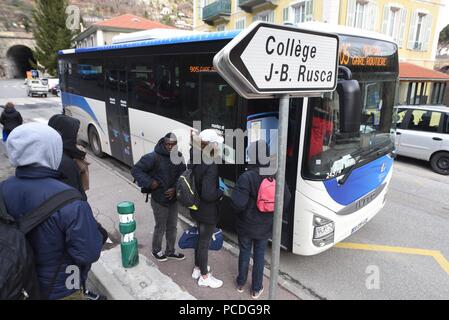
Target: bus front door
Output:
[(117, 115)]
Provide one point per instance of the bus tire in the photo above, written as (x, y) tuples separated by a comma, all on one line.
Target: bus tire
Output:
[(94, 142), (440, 162)]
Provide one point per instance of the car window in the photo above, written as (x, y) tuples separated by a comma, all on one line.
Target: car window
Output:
[(422, 120), (400, 118)]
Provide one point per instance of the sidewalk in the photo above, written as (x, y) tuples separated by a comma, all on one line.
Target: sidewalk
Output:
[(151, 279)]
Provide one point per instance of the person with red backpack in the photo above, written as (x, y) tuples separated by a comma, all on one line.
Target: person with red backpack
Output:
[(253, 198)]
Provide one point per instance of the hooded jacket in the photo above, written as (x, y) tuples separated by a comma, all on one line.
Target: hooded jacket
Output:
[(10, 119), (68, 129), (250, 222), (207, 183), (157, 165), (70, 235)]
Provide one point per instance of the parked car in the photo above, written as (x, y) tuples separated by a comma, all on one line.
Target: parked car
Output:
[(56, 90), (36, 87), (423, 133)]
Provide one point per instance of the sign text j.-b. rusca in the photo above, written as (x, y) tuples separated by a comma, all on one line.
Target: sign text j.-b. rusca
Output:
[(294, 48)]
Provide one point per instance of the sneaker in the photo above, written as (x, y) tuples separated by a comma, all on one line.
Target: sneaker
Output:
[(210, 281), (239, 289), (160, 256), (89, 295), (197, 272), (256, 294), (176, 256)]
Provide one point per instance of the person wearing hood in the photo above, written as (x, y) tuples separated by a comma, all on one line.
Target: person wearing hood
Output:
[(157, 174), (10, 119), (73, 159), (254, 227), (203, 156), (70, 236)]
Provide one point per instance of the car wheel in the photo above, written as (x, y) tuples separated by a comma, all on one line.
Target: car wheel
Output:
[(95, 144), (440, 163)]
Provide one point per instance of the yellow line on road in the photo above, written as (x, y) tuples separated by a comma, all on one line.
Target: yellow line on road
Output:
[(437, 255)]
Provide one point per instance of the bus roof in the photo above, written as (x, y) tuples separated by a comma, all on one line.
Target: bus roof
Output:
[(226, 35)]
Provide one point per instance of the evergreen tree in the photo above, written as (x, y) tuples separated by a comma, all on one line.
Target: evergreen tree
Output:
[(51, 33), (444, 35)]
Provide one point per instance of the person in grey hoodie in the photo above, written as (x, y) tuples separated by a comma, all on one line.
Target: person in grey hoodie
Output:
[(70, 236)]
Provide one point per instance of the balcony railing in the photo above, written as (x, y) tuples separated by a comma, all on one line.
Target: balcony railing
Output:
[(217, 10), (248, 5)]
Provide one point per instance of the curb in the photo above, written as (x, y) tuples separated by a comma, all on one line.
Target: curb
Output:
[(106, 283)]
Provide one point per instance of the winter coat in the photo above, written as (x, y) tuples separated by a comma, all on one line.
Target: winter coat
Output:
[(250, 222), (157, 165), (207, 183), (69, 236), (68, 129), (10, 119)]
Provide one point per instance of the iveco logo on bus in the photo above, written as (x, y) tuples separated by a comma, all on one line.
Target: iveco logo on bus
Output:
[(365, 200)]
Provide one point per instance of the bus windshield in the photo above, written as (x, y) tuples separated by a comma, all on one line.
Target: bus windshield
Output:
[(329, 153)]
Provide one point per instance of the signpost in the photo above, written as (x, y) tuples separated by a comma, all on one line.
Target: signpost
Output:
[(267, 60)]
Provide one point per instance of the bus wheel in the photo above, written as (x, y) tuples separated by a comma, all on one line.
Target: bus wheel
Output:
[(94, 141), (440, 163)]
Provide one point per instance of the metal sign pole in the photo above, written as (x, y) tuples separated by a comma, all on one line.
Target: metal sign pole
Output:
[(284, 103)]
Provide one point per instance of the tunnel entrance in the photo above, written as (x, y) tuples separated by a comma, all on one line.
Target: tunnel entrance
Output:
[(19, 61)]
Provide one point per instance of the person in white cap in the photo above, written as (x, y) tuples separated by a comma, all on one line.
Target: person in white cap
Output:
[(205, 170)]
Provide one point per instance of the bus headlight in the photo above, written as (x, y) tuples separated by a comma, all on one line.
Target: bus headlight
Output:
[(323, 233)]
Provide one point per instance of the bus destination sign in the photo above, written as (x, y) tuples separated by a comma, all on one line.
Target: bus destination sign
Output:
[(267, 59)]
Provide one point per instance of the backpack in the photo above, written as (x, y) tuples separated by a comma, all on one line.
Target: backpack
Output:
[(151, 172), (18, 279), (266, 195), (189, 239), (186, 190)]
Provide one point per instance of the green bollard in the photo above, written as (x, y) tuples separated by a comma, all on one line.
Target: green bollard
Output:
[(127, 227)]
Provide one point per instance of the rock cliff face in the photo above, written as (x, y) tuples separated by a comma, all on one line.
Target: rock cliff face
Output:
[(16, 15)]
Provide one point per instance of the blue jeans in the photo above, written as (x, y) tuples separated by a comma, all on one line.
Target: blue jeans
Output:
[(5, 135), (259, 247)]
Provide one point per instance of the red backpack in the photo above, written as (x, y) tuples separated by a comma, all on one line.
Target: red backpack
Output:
[(266, 195)]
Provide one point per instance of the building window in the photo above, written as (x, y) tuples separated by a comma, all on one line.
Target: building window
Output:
[(240, 24), (266, 16), (298, 12), (221, 27), (419, 34), (361, 14), (418, 93), (393, 23)]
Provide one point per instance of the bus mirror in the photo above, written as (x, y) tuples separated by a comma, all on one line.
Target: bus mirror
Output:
[(350, 107)]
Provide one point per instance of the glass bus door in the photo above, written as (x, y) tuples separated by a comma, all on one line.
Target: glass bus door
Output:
[(116, 84)]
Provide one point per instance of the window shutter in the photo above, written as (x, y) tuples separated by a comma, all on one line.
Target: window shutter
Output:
[(386, 18), (427, 30), (285, 14), (402, 27), (370, 16), (412, 31), (350, 15), (309, 10)]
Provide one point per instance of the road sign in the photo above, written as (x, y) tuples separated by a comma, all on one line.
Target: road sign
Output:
[(267, 59)]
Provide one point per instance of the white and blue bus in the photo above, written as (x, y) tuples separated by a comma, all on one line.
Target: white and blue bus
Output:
[(135, 92)]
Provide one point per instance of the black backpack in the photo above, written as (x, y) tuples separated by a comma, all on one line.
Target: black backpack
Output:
[(186, 190), (18, 279)]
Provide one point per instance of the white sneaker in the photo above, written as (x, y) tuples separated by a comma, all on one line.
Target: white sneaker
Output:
[(197, 272), (210, 281)]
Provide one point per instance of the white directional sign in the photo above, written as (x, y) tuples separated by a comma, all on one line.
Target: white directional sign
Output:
[(267, 59)]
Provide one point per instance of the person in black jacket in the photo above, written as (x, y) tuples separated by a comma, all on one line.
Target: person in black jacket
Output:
[(10, 119), (158, 174), (254, 228), (68, 129), (205, 171)]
